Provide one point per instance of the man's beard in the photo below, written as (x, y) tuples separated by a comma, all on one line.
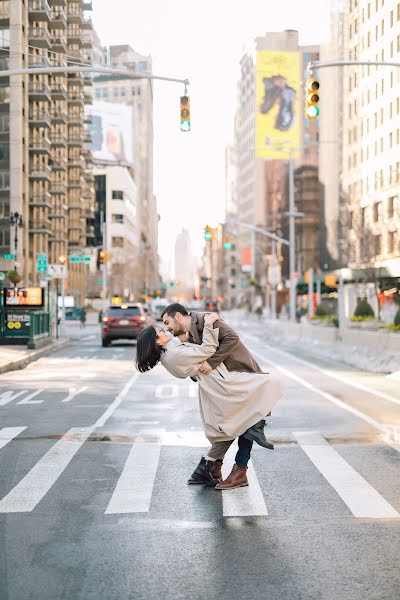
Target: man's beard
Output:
[(178, 331)]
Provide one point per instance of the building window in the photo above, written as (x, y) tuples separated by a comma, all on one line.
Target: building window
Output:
[(4, 94), (98, 93), (115, 92), (391, 242), (118, 219), (376, 211), (391, 207), (4, 180), (105, 93), (117, 242), (117, 195), (122, 91), (377, 245)]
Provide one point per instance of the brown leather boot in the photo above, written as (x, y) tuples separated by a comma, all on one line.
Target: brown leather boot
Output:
[(216, 470), (236, 478)]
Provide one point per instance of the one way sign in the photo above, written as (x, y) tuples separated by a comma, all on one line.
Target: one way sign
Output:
[(57, 271)]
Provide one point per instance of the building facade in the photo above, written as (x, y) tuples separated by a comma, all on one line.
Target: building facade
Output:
[(371, 138), (116, 206), (47, 178), (262, 183), (137, 93)]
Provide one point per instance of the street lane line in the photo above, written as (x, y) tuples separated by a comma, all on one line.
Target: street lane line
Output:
[(107, 414), (73, 392), (242, 502), (28, 399), (360, 497), (325, 395), (134, 489), (34, 486), (10, 395), (9, 433), (306, 363)]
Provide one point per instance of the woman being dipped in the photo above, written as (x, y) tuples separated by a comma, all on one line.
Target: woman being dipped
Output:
[(231, 403)]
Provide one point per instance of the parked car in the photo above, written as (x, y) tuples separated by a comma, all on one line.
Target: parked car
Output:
[(122, 322)]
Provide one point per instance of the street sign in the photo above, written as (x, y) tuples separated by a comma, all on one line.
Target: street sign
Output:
[(9, 256), (41, 264), (58, 271), (79, 259)]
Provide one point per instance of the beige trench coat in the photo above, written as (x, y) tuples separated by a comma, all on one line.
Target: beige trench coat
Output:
[(230, 402)]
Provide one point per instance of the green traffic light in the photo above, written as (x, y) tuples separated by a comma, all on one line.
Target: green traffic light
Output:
[(207, 236), (227, 245), (172, 283), (312, 111)]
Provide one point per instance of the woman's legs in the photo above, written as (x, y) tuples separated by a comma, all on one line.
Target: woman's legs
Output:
[(238, 476), (209, 468)]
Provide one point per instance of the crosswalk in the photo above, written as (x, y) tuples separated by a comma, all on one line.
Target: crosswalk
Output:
[(135, 487)]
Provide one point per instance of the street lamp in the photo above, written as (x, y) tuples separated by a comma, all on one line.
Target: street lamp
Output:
[(16, 221)]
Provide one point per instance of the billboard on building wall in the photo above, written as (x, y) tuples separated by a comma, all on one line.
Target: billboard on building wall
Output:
[(112, 132), (277, 104)]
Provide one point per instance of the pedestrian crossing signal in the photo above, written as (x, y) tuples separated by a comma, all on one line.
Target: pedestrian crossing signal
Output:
[(185, 113), (312, 99)]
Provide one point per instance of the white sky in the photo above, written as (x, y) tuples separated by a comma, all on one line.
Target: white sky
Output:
[(203, 41)]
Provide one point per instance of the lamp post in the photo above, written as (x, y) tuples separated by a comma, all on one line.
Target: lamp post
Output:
[(17, 222)]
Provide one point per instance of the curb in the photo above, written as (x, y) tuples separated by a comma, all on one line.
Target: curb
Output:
[(23, 362)]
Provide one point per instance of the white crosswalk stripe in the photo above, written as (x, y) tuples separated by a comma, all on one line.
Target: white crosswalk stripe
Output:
[(361, 498), (9, 433), (134, 489), (242, 502), (35, 485)]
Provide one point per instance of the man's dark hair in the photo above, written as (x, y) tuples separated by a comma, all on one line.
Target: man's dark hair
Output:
[(174, 308)]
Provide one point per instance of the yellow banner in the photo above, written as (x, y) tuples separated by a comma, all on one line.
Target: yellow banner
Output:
[(278, 104)]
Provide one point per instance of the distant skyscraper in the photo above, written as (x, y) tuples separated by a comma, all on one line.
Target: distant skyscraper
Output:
[(184, 263)]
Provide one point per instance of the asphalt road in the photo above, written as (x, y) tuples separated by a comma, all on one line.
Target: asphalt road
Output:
[(94, 460)]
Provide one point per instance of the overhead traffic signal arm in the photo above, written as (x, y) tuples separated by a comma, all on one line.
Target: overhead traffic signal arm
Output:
[(312, 99)]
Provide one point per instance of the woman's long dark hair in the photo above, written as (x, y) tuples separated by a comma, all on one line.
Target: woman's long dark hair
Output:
[(148, 353)]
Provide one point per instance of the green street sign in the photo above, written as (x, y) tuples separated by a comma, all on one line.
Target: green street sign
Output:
[(41, 264), (9, 256), (79, 259)]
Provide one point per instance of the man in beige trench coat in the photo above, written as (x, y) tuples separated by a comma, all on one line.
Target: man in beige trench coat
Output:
[(236, 357)]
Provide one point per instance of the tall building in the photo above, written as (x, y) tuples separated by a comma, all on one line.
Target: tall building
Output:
[(184, 263), (46, 176), (370, 175), (116, 202), (262, 181), (137, 93)]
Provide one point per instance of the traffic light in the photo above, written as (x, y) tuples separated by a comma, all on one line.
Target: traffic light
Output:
[(227, 243), (312, 99), (62, 260), (185, 113), (207, 233), (102, 257)]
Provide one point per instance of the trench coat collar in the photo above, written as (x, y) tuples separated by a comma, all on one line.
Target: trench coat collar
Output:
[(173, 343), (193, 327)]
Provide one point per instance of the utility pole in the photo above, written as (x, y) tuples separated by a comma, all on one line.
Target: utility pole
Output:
[(292, 243), (104, 246)]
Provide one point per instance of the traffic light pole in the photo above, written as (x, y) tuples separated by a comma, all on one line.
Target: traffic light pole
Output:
[(90, 69), (350, 63)]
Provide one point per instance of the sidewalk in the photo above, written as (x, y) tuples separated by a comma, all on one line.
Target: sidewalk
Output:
[(17, 357), (376, 359)]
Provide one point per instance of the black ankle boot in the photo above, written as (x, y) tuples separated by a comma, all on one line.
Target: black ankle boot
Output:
[(256, 434), (203, 473)]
